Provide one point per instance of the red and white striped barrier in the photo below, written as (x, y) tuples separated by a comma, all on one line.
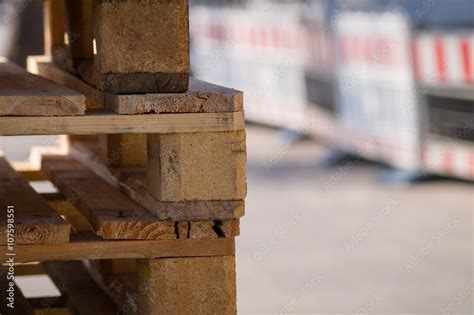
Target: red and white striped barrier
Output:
[(444, 58), (447, 156)]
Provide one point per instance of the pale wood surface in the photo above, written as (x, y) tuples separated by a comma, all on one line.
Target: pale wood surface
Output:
[(24, 94), (99, 121), (151, 54), (87, 245), (196, 285), (35, 221)]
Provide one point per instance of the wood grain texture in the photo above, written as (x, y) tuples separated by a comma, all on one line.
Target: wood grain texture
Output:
[(99, 121), (24, 94), (197, 166), (35, 222), (197, 285), (150, 55), (111, 213), (201, 97), (83, 296), (87, 245)]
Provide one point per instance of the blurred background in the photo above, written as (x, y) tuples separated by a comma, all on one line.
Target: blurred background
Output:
[(360, 147)]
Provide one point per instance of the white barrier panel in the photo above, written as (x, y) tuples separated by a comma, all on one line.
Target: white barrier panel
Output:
[(378, 105)]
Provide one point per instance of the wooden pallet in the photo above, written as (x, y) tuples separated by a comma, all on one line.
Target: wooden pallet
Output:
[(150, 194)]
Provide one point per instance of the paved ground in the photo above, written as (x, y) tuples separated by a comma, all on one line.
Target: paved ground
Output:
[(333, 240)]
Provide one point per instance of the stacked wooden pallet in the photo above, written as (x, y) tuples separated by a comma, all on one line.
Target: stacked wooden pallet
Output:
[(150, 196)]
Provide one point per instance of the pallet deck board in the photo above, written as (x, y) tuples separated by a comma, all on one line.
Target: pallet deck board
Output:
[(112, 214), (35, 222), (87, 245), (24, 94), (103, 121)]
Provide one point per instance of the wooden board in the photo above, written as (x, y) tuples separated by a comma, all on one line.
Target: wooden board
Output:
[(35, 222), (87, 245), (99, 121), (132, 183), (201, 97), (24, 94), (83, 296)]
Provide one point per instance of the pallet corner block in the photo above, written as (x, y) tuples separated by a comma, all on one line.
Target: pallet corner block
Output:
[(142, 46), (197, 166)]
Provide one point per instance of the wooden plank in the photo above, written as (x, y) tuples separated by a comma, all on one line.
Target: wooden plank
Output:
[(201, 97), (20, 304), (124, 150), (87, 245), (34, 221), (42, 65), (98, 121), (111, 214), (132, 184), (197, 285), (24, 94), (82, 294), (150, 55)]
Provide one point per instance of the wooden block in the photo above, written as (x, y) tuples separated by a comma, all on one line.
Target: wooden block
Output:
[(35, 221), (24, 94), (99, 121), (198, 285), (191, 166), (111, 214), (124, 150), (83, 295), (151, 54), (87, 245)]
